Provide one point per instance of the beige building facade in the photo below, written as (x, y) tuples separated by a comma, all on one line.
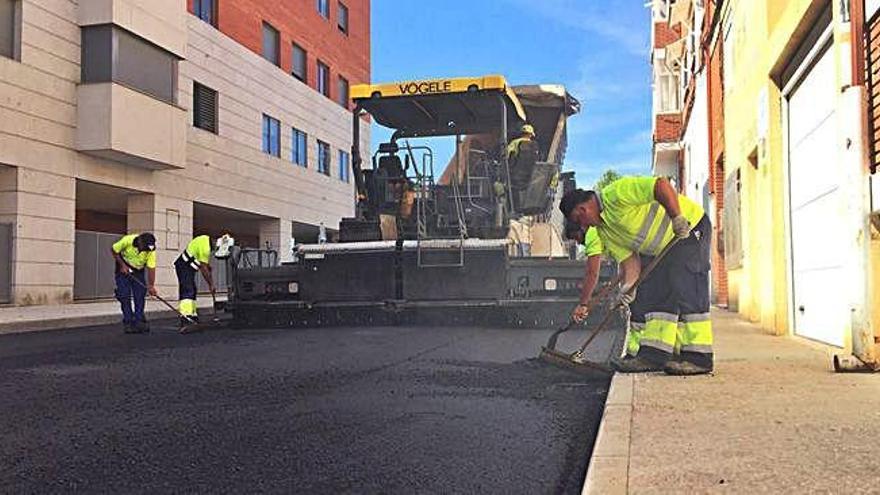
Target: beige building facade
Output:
[(124, 116)]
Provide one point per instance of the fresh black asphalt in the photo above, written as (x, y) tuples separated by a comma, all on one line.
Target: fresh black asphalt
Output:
[(331, 410)]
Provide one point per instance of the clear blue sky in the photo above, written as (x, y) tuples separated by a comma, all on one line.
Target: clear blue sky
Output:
[(597, 49)]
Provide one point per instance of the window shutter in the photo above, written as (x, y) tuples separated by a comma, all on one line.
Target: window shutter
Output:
[(204, 108)]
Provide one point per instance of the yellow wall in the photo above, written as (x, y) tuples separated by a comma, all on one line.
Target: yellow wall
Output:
[(766, 32)]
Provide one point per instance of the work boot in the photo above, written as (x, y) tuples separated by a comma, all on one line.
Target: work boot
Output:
[(190, 321), (127, 328), (685, 368), (633, 364), (142, 327)]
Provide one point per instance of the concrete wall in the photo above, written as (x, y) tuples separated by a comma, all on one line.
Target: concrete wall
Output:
[(38, 123), (163, 22), (122, 124)]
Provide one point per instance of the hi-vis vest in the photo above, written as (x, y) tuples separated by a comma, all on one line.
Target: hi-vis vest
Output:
[(197, 252), (592, 243), (634, 222), (132, 257)]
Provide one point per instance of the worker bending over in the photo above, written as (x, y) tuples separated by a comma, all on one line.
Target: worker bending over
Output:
[(636, 218), (197, 258), (592, 248), (135, 273)]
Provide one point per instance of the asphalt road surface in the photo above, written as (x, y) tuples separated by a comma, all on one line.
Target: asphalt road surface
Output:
[(335, 410)]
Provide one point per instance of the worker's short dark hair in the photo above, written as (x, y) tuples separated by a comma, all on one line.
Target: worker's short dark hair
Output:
[(573, 198), (145, 240), (573, 231)]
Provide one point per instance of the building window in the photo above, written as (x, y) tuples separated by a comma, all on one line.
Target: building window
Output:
[(299, 64), (10, 28), (204, 108), (206, 10), (727, 53), (323, 158), (271, 136), (270, 44), (112, 54), (323, 79), (298, 148), (324, 8), (342, 22), (344, 164), (669, 93), (342, 94)]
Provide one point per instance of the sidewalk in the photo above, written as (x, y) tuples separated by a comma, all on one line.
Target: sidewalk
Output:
[(774, 418), (35, 318)]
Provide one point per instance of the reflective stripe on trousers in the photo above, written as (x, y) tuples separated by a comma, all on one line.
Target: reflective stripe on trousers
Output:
[(696, 335), (633, 337), (660, 334), (187, 307)]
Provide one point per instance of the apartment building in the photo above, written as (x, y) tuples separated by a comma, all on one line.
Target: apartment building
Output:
[(685, 55), (180, 117)]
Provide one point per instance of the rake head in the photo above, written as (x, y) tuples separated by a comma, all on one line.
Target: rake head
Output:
[(572, 362)]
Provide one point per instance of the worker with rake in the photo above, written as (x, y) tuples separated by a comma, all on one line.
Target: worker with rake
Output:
[(196, 258), (637, 219), (135, 274)]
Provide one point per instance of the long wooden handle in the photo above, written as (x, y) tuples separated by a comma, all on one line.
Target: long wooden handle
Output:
[(642, 276)]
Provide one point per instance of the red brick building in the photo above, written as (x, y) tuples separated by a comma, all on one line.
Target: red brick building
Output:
[(711, 44), (688, 118), (338, 37)]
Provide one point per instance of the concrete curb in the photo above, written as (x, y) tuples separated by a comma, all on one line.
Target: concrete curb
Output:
[(68, 321), (608, 472), (74, 321)]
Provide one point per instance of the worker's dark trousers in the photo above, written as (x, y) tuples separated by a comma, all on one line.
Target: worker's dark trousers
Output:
[(186, 286), (671, 310), (126, 290)]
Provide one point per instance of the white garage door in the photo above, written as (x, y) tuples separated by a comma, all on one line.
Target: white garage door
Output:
[(818, 251)]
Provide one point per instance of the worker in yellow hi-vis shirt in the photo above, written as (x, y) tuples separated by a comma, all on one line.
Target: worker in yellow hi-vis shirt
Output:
[(526, 136), (194, 259), (592, 248), (135, 258), (636, 217)]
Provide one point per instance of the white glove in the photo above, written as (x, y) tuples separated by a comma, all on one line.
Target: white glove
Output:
[(681, 227), (625, 298)]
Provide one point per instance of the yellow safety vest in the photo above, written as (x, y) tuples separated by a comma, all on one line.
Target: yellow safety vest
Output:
[(592, 243), (513, 147), (634, 222), (198, 252), (131, 255)]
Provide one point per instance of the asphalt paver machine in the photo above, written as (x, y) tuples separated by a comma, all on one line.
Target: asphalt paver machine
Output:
[(433, 249)]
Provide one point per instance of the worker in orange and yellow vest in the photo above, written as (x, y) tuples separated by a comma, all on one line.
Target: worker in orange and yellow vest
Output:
[(636, 218)]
